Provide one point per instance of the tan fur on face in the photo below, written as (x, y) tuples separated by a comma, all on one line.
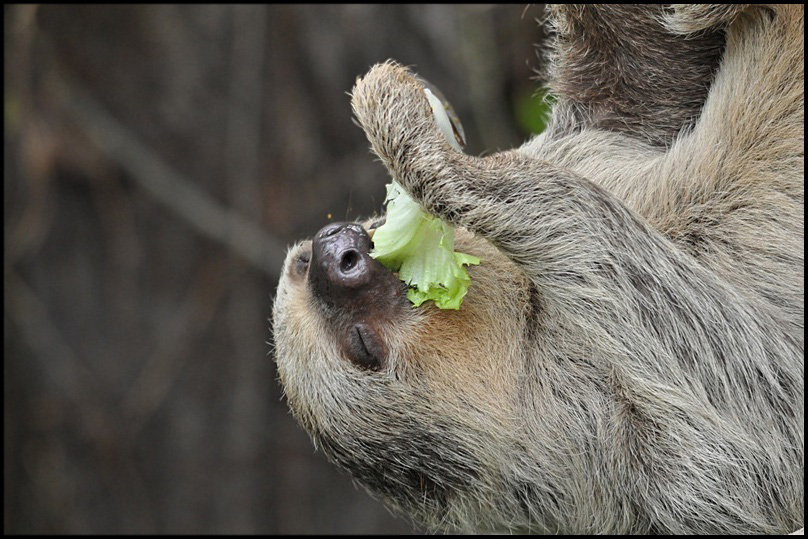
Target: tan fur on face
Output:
[(478, 349), (630, 356)]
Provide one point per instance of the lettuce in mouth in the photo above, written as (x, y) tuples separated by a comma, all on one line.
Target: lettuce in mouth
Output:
[(421, 249)]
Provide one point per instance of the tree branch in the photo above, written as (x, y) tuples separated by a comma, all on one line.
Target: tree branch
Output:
[(170, 188)]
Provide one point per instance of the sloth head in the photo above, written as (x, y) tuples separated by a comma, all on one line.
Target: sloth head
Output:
[(417, 403)]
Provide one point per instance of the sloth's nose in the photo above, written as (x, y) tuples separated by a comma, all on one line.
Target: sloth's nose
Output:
[(340, 262)]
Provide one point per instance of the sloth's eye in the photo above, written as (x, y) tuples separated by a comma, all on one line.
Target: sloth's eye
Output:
[(364, 347)]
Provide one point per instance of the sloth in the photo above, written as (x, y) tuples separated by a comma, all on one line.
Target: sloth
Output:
[(630, 354)]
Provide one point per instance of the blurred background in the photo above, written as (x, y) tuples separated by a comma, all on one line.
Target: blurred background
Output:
[(158, 161)]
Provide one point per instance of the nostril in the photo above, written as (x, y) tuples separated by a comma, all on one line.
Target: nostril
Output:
[(348, 260)]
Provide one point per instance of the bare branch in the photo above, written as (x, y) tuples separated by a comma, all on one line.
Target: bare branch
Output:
[(170, 188), (59, 363)]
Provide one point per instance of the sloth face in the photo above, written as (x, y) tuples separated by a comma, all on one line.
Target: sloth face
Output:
[(401, 397)]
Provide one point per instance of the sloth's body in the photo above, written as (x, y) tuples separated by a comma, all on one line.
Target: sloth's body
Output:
[(630, 355)]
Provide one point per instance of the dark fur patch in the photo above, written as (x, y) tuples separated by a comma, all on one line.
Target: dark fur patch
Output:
[(624, 71), (417, 469), (534, 312), (537, 504)]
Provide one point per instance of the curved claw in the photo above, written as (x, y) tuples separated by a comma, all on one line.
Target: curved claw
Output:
[(455, 127)]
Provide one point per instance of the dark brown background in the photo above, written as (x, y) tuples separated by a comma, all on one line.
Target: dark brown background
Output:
[(157, 162)]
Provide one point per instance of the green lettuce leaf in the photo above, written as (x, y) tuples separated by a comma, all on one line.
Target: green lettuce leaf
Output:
[(421, 249)]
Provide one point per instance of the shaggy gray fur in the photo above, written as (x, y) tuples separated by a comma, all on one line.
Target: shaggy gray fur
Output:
[(630, 358)]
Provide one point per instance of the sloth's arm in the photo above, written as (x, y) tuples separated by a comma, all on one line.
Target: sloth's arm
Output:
[(592, 260), (554, 223)]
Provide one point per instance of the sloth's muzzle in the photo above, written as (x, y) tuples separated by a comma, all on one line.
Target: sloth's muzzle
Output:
[(340, 263), (359, 294)]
